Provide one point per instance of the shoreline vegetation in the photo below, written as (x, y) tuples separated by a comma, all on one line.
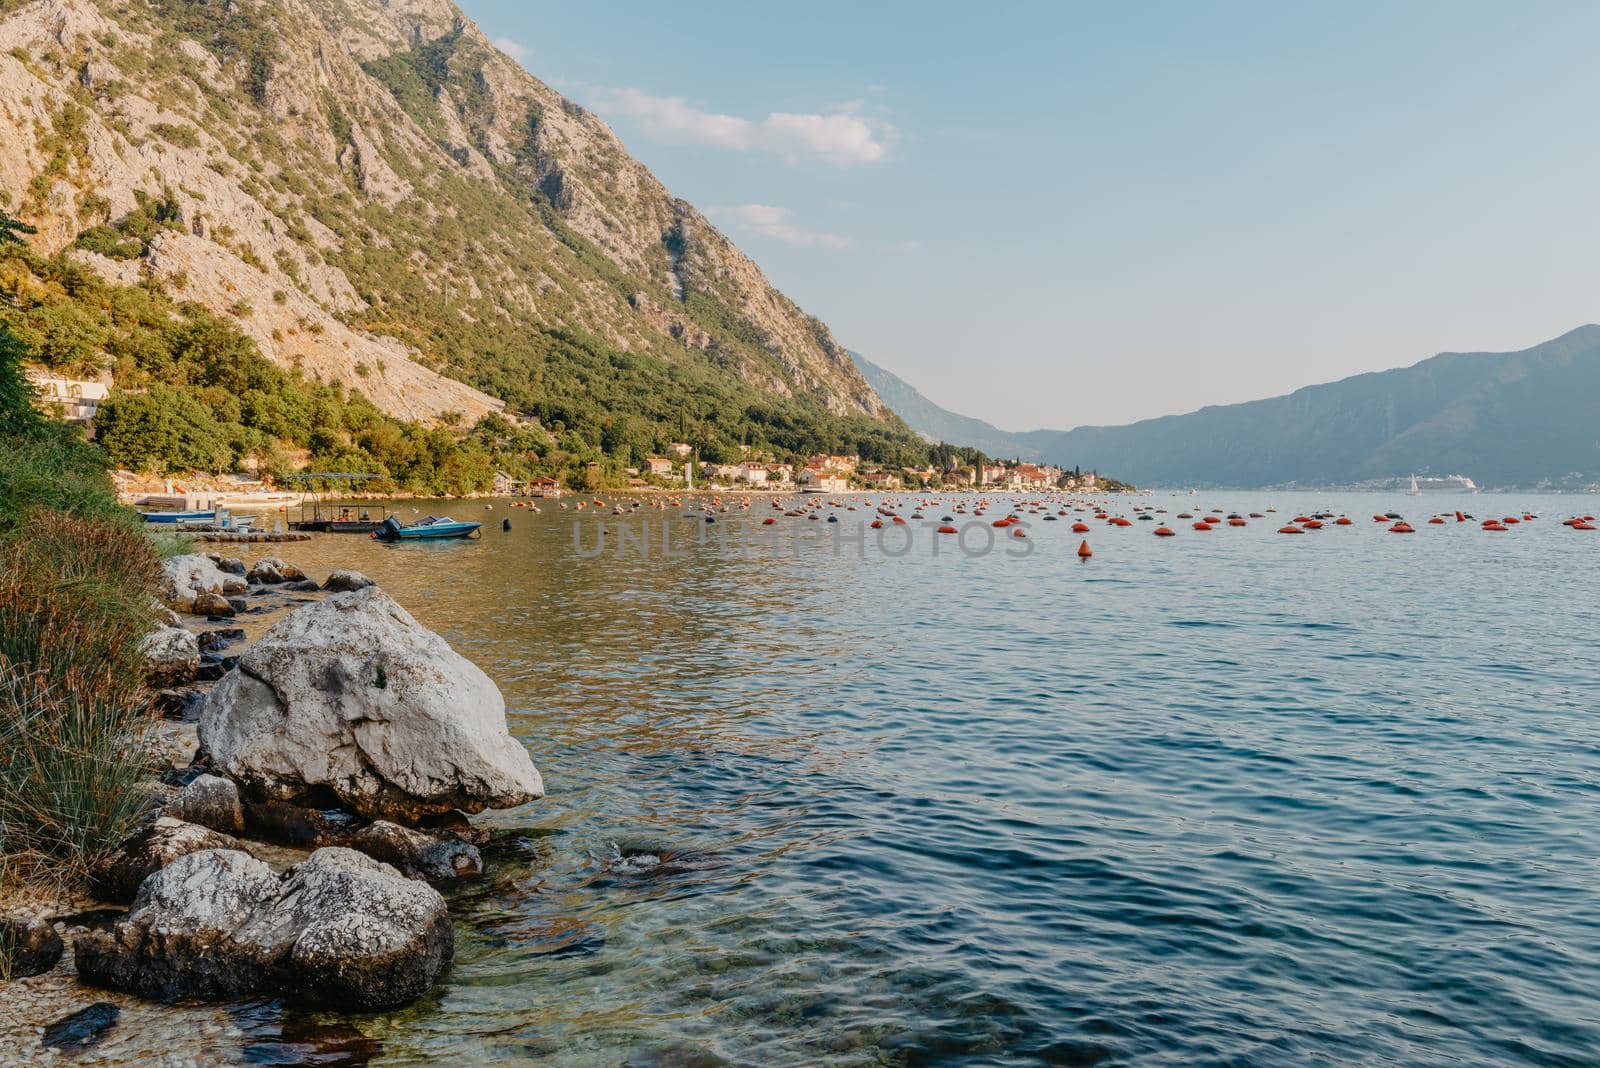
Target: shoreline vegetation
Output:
[(101, 803), (76, 577)]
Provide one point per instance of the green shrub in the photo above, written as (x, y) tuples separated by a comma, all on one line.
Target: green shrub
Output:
[(54, 468), (180, 134)]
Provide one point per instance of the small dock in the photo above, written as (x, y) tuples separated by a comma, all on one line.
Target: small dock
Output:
[(238, 536)]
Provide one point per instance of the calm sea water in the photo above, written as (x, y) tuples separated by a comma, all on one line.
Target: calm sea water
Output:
[(1226, 798)]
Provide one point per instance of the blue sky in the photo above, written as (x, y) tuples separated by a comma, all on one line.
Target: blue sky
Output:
[(1057, 214)]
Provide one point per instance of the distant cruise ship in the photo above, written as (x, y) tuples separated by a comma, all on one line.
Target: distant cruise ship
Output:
[(1443, 484)]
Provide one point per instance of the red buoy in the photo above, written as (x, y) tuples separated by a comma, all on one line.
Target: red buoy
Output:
[(1291, 529), (1164, 532), (947, 529), (1084, 552), (1402, 527), (1080, 528)]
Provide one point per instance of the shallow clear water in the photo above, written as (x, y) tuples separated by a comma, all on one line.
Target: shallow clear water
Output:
[(1224, 798)]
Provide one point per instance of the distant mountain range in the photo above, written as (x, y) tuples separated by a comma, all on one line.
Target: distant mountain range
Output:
[(1505, 419), (941, 424)]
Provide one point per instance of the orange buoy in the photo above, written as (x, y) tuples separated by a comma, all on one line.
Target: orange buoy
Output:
[(1019, 533), (1236, 523), (877, 524), (1437, 519), (1291, 529), (1380, 519), (1163, 532), (1342, 521), (1202, 526), (1461, 517), (1084, 552), (1310, 524), (1402, 527), (1080, 528), (947, 529), (767, 522)]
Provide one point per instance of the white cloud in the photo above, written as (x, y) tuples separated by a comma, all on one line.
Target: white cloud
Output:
[(514, 48), (777, 223), (842, 137)]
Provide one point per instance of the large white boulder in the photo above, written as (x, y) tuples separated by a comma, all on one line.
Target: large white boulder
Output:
[(171, 656), (339, 929), (352, 696), (182, 577)]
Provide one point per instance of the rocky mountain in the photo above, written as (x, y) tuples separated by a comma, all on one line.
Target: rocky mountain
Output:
[(941, 424), (383, 200), (1506, 419)]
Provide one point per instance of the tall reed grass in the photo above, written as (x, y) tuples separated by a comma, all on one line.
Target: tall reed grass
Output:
[(76, 578), (74, 607)]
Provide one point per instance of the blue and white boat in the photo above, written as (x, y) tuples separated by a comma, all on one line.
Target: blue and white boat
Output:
[(209, 516), (428, 528)]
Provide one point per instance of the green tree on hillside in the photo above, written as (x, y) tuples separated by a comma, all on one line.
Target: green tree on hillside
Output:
[(17, 412), (12, 229)]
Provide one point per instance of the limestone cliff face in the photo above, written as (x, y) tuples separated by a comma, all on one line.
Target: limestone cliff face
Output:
[(379, 197)]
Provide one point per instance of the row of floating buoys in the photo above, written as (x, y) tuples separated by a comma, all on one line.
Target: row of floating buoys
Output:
[(1203, 520)]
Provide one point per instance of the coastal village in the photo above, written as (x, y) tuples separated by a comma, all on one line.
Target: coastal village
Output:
[(677, 468)]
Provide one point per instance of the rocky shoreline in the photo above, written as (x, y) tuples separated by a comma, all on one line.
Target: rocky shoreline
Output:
[(318, 759)]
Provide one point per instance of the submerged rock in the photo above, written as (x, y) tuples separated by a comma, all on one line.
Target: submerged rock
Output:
[(417, 855), (209, 801), (171, 656), (271, 570), (295, 825), (455, 825), (219, 638), (118, 875), (345, 581), (85, 1028), (182, 703), (28, 947), (338, 930), (352, 696)]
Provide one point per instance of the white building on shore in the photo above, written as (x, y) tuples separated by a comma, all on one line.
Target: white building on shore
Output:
[(74, 399)]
